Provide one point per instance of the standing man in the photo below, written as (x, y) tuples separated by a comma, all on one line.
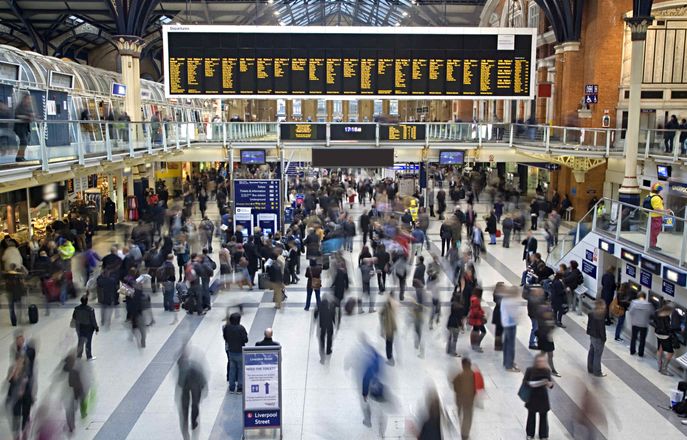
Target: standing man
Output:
[(654, 201), (365, 226), (669, 133), (597, 338), (640, 312), (109, 210), (235, 337), (83, 320), (267, 340), (507, 225), (465, 391), (441, 200)]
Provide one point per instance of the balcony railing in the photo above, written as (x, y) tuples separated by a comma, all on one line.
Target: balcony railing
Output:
[(51, 142)]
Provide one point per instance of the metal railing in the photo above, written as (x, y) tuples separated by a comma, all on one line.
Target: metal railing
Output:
[(58, 141), (662, 235)]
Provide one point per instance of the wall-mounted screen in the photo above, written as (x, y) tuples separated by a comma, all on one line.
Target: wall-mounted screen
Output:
[(252, 157), (451, 157), (664, 171)]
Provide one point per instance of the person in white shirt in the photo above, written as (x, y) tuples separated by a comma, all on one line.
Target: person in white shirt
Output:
[(512, 307)]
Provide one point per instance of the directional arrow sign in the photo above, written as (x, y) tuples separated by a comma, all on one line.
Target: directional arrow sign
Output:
[(267, 388)]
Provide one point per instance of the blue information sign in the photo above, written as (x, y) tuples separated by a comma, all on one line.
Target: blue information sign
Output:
[(263, 198), (262, 419), (668, 288), (589, 268), (589, 255), (645, 278), (262, 403), (631, 270)]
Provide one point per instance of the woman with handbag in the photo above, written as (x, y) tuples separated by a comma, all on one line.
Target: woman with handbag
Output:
[(534, 391)]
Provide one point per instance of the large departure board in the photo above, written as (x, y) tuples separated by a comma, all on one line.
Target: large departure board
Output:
[(371, 62)]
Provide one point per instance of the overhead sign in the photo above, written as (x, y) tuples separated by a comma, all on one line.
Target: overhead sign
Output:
[(262, 197), (262, 405), (402, 132), (319, 61), (303, 132)]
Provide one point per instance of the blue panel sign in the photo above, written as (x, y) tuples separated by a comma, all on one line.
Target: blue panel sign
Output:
[(589, 268), (645, 278), (589, 255), (668, 288), (263, 198), (631, 270), (118, 89), (262, 419)]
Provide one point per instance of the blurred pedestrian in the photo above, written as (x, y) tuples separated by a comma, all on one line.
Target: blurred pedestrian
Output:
[(191, 388), (389, 326), (83, 320), (597, 338), (465, 389), (538, 381)]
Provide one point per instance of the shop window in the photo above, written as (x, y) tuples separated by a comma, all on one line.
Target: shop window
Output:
[(281, 107)]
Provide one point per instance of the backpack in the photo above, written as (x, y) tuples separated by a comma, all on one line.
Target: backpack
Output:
[(646, 204)]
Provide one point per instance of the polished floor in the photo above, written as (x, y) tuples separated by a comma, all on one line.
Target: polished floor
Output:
[(136, 387)]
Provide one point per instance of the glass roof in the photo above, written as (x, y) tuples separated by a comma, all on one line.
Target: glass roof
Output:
[(342, 12)]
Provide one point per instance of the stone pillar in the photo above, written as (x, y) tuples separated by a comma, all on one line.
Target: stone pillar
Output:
[(120, 196), (130, 48), (629, 190), (110, 188), (151, 176)]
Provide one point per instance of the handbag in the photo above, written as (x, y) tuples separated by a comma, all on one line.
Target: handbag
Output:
[(498, 233), (524, 392)]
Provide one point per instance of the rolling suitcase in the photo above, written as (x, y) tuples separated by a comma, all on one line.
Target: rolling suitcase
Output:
[(33, 314)]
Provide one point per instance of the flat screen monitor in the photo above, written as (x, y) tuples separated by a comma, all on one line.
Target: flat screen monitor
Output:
[(451, 157), (252, 157), (664, 171)]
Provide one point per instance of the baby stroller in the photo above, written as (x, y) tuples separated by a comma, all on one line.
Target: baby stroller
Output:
[(184, 298)]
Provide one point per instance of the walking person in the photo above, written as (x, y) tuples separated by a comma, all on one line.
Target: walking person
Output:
[(530, 247), (314, 275), (640, 312), (83, 320), (558, 298), (664, 338), (510, 315), (465, 388), (419, 279), (366, 265), (507, 225), (477, 242), (491, 227), (545, 328), (235, 338), (620, 306), (608, 288), (24, 113), (388, 323), (166, 276), (538, 381), (597, 338), (192, 385), (326, 325), (455, 320), (445, 232), (477, 319), (382, 260)]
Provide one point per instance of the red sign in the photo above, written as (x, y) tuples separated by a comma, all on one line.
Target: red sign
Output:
[(544, 90)]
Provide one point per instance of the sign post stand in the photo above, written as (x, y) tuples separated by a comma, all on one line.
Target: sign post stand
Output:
[(262, 403)]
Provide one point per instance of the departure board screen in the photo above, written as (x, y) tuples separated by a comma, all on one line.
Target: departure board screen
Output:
[(352, 132), (314, 61), (303, 132), (402, 132)]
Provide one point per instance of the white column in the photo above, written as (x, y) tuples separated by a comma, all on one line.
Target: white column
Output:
[(629, 190), (120, 196), (151, 176)]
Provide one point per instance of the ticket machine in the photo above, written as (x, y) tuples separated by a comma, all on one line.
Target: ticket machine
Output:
[(244, 217)]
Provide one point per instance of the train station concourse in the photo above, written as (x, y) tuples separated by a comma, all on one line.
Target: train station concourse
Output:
[(343, 219)]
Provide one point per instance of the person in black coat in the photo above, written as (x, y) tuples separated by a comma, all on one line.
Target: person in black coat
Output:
[(382, 259), (558, 298), (496, 317), (109, 210), (326, 321), (608, 288), (235, 337), (491, 227), (107, 285), (85, 324), (538, 380), (530, 246), (339, 287), (267, 341)]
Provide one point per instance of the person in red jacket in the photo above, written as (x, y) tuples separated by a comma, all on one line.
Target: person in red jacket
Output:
[(477, 319)]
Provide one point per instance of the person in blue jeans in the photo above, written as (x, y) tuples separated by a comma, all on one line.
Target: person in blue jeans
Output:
[(509, 320), (235, 337)]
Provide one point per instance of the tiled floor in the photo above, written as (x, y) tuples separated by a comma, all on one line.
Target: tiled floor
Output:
[(135, 388)]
